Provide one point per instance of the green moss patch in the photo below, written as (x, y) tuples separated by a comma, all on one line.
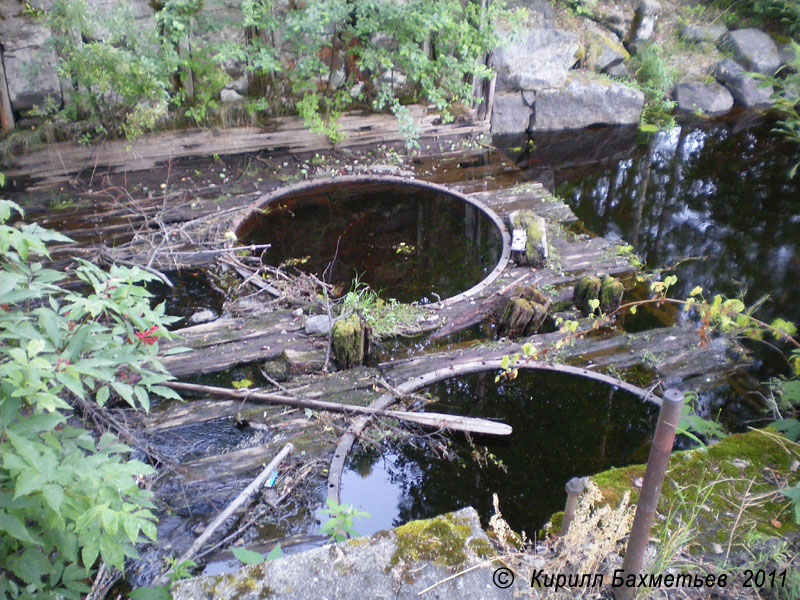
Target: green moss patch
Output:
[(728, 493), (348, 342), (441, 540)]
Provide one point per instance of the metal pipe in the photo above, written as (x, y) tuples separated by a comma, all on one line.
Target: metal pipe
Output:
[(657, 464), (575, 487)]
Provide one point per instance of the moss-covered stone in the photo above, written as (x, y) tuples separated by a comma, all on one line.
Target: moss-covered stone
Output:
[(349, 341), (611, 292), (441, 540), (482, 548), (729, 491), (586, 290)]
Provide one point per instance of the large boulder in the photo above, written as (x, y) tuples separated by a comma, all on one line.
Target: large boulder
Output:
[(585, 101), (510, 113), (539, 60), (709, 99), (746, 89), (699, 34), (755, 50), (617, 19), (448, 554), (541, 13)]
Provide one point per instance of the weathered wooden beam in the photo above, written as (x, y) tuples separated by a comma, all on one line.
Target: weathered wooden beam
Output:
[(435, 420), (58, 162)]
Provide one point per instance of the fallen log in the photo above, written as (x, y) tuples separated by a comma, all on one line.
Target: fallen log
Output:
[(435, 420)]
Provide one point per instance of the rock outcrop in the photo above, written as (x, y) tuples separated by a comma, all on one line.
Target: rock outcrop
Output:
[(30, 66), (586, 101), (746, 89), (699, 34), (708, 99), (539, 60), (754, 50), (644, 23), (510, 114), (399, 564)]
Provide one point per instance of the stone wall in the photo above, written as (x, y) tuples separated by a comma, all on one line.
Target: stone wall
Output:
[(30, 62)]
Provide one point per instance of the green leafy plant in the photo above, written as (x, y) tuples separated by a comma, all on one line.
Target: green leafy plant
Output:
[(250, 557), (178, 572), (385, 318), (69, 498), (656, 80), (112, 65), (340, 524), (195, 64), (786, 100), (695, 427)]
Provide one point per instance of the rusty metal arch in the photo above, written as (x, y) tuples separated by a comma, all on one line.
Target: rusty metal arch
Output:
[(358, 424), (245, 226)]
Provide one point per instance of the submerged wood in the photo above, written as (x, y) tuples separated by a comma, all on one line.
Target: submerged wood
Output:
[(435, 420), (243, 497)]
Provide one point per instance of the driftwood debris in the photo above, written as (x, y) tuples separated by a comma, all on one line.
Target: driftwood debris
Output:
[(435, 420), (243, 497)]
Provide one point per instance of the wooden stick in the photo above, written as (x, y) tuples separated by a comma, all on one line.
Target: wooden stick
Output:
[(435, 420), (230, 509)]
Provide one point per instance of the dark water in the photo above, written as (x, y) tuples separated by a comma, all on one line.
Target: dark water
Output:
[(715, 193), (191, 293), (564, 426), (406, 242)]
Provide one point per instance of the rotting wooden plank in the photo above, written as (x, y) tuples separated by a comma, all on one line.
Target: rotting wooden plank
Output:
[(354, 386), (58, 162), (229, 341), (676, 351), (230, 464)]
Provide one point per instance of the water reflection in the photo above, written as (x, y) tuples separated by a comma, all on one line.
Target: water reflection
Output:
[(407, 242), (564, 426), (716, 194)]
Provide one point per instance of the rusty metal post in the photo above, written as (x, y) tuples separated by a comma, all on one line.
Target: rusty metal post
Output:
[(575, 487), (657, 464)]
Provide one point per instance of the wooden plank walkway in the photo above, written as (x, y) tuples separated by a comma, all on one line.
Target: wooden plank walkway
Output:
[(674, 353)]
